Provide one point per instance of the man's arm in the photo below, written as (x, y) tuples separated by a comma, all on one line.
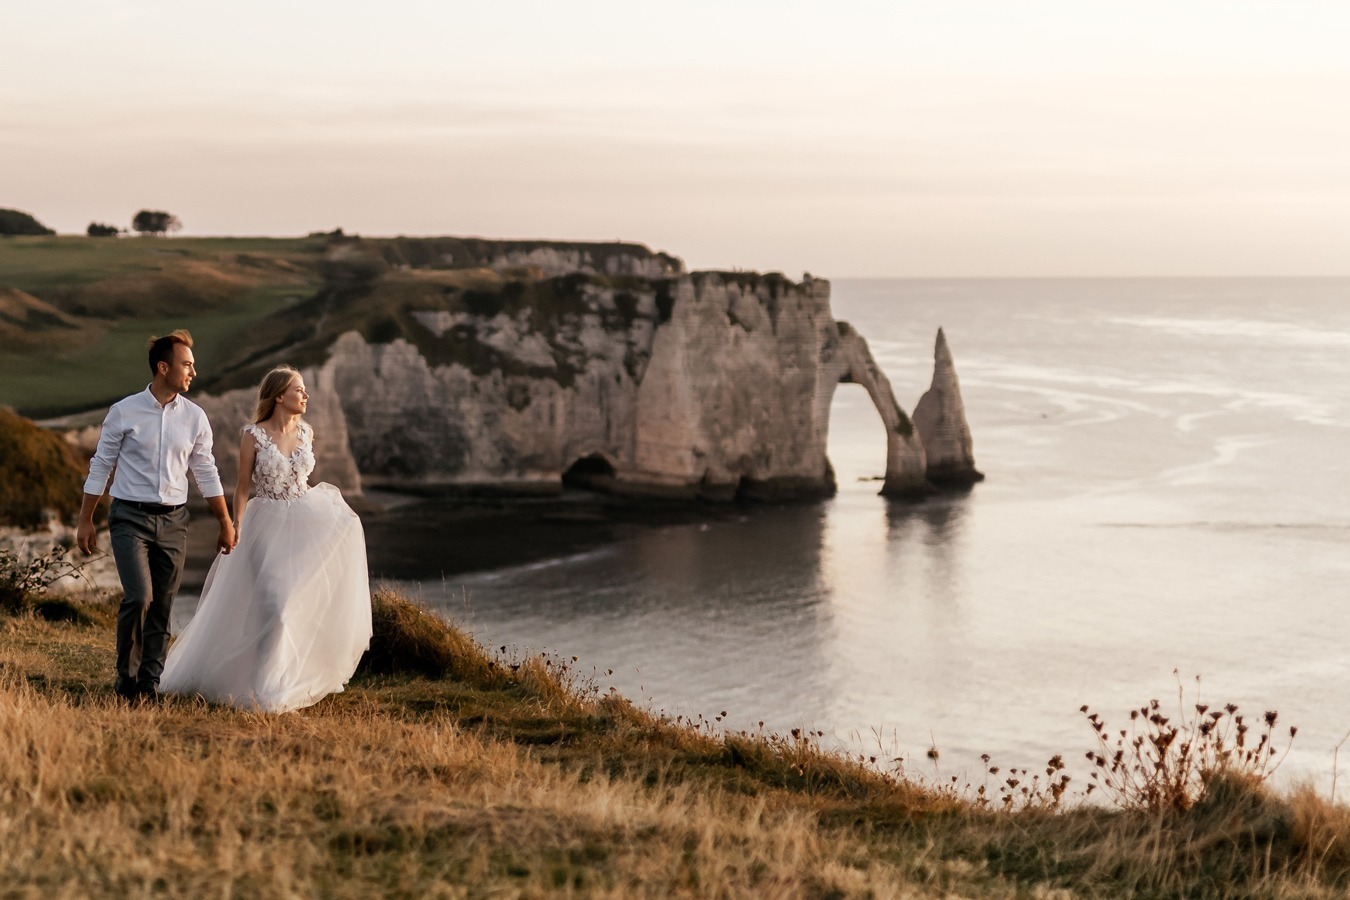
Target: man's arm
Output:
[(226, 540), (100, 470), (202, 460), (203, 464)]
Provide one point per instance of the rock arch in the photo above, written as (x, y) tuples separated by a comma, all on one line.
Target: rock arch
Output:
[(849, 361)]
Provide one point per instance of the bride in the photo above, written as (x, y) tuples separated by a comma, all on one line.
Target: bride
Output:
[(284, 619)]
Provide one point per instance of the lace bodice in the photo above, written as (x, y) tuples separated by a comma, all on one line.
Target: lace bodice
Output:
[(277, 477)]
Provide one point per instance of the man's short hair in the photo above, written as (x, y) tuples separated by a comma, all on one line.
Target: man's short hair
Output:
[(161, 348)]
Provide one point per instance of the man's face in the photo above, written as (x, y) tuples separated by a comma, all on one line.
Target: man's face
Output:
[(181, 370)]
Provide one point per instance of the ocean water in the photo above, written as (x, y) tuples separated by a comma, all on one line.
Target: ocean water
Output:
[(1167, 499)]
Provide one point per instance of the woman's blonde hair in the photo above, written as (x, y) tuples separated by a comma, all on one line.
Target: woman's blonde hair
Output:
[(274, 384)]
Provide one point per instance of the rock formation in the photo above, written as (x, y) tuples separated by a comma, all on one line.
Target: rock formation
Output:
[(709, 385), (462, 364), (940, 417)]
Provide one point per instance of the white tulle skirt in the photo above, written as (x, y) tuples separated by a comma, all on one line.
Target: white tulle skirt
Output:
[(284, 618)]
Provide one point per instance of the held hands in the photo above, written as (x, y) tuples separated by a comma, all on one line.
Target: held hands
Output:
[(228, 538)]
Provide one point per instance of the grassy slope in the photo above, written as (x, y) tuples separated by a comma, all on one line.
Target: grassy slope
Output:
[(445, 771), (125, 291)]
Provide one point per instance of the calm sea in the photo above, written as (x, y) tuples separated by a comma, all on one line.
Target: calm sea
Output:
[(1167, 493)]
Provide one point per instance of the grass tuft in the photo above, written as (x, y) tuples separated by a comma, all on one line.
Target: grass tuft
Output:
[(408, 639)]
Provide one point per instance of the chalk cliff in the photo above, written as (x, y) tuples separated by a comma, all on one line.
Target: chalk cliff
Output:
[(710, 385), (521, 366), (940, 417)]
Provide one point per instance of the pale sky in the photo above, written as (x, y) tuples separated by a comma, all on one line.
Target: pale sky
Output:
[(844, 138)]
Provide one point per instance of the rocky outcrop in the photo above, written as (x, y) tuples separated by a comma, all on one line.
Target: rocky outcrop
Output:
[(710, 385), (941, 419)]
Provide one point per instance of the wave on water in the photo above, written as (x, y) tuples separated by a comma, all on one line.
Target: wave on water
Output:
[(537, 565), (1258, 330), (1337, 529), (1032, 380)]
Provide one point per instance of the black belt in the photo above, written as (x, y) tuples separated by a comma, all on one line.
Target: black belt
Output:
[(154, 509)]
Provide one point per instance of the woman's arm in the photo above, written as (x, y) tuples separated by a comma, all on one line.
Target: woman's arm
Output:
[(248, 451)]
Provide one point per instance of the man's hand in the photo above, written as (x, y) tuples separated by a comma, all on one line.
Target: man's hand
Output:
[(86, 536), (226, 540)]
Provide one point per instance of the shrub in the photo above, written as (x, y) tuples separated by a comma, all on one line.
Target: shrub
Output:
[(38, 474), (98, 229), (1172, 764), (411, 640), (351, 265), (24, 583), (155, 222), (14, 221)]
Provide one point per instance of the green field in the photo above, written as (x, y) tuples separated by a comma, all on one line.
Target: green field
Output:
[(40, 265), (122, 292), (70, 379)]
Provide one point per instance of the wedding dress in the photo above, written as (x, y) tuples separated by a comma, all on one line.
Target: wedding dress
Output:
[(285, 617)]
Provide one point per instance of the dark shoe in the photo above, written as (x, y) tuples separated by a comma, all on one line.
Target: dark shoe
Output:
[(127, 690), (149, 694)]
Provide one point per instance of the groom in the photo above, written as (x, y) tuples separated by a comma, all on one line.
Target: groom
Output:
[(151, 439)]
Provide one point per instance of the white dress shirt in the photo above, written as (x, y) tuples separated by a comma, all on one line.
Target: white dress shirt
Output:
[(152, 446)]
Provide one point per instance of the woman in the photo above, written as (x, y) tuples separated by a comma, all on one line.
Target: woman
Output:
[(283, 620)]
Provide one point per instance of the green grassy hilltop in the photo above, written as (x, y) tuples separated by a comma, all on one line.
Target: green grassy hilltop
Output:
[(75, 313)]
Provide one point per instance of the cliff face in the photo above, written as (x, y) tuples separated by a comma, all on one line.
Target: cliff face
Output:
[(523, 365), (704, 385)]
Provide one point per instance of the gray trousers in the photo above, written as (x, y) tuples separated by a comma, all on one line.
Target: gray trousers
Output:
[(149, 550)]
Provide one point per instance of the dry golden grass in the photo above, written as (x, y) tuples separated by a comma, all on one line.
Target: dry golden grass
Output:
[(466, 774)]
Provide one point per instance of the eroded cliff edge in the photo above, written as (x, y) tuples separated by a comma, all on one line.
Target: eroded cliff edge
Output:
[(624, 374), (711, 385)]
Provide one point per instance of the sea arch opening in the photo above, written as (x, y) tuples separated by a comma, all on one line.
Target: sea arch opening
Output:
[(856, 439), (851, 430)]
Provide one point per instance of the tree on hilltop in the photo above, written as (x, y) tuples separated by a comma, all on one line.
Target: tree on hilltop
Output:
[(98, 229), (14, 221), (155, 222)]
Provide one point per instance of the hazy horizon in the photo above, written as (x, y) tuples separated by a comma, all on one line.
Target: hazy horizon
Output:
[(967, 139)]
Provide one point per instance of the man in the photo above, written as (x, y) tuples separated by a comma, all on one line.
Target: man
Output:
[(152, 439)]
